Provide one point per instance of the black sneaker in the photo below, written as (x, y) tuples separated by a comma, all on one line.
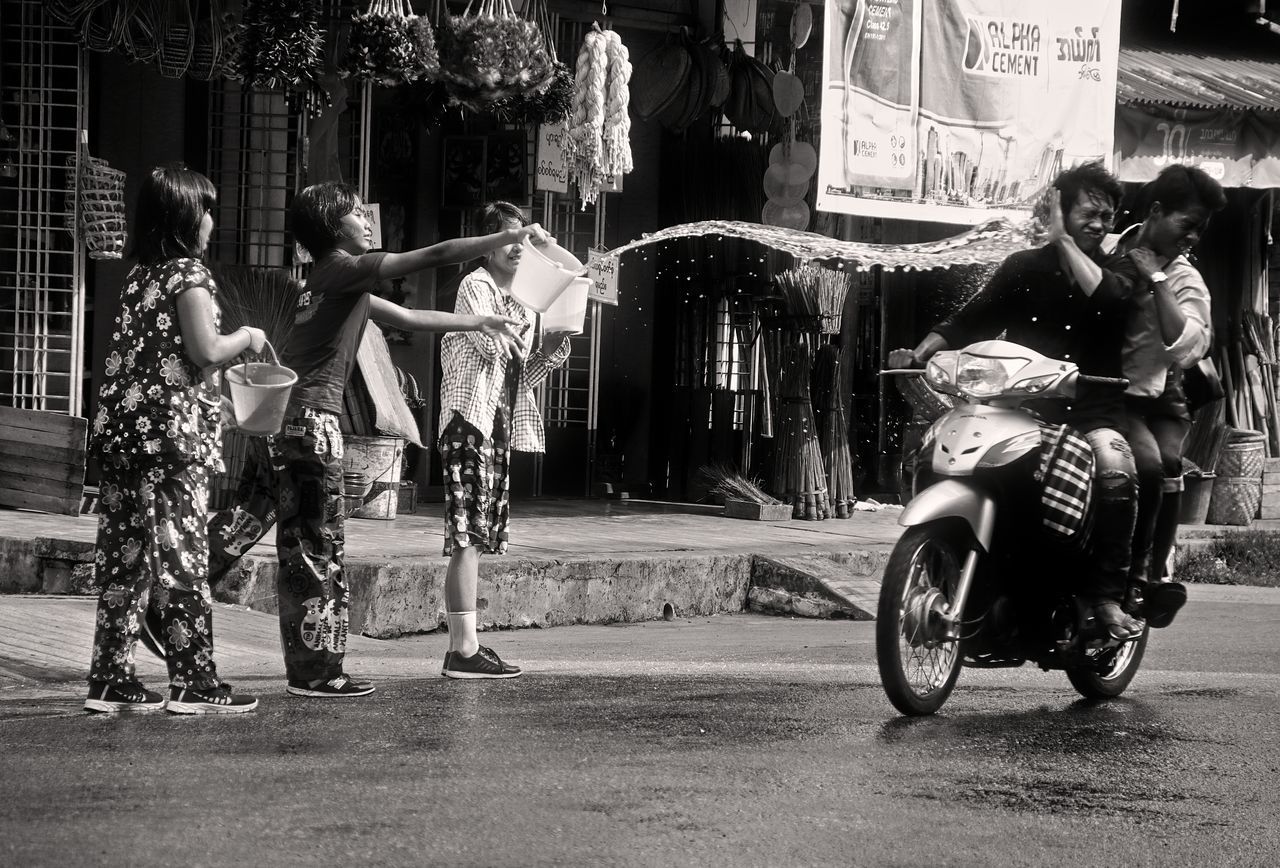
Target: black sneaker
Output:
[(209, 700), (105, 697), (149, 633), (335, 688), (485, 663)]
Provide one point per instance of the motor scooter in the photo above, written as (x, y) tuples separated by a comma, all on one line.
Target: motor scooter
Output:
[(997, 537)]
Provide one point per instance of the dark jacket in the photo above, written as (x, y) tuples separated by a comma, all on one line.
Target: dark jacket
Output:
[(1034, 302)]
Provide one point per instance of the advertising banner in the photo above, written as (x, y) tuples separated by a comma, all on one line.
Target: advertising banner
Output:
[(955, 111), (1237, 148)]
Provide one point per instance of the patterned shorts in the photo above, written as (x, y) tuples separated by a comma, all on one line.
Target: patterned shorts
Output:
[(477, 476)]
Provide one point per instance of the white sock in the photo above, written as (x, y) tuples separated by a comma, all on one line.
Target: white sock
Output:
[(462, 633)]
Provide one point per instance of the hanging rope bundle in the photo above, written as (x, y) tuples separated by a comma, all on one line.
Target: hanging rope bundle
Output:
[(616, 146), (585, 147)]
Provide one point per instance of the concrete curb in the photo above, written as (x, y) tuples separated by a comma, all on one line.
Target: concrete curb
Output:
[(395, 597)]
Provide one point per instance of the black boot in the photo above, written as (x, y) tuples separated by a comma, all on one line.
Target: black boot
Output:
[(1163, 599)]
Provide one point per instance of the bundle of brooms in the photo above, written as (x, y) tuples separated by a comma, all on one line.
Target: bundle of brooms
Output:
[(813, 292), (833, 431), (799, 476), (728, 484), (266, 298)]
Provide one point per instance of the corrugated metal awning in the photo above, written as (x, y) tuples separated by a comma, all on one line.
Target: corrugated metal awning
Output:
[(1197, 80)]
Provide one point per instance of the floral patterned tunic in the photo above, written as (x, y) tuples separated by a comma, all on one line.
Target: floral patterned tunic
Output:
[(154, 401)]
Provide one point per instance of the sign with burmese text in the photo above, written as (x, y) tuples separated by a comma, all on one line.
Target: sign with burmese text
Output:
[(604, 277), (956, 111), (553, 172)]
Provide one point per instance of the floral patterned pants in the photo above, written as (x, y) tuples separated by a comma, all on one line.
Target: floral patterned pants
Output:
[(153, 551), (313, 596)]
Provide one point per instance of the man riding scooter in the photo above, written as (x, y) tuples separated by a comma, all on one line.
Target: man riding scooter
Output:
[(1069, 301)]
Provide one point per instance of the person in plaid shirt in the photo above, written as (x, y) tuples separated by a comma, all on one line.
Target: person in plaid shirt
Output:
[(487, 409)]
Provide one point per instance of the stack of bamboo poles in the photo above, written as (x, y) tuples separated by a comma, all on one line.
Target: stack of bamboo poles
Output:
[(833, 432), (799, 477), (1249, 379)]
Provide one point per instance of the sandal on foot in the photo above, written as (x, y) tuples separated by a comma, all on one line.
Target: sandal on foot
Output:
[(1118, 624)]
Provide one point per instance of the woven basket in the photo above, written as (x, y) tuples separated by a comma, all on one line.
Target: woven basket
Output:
[(70, 12), (208, 54), (177, 40), (103, 28), (140, 40), (1235, 500), (102, 219), (1243, 455)]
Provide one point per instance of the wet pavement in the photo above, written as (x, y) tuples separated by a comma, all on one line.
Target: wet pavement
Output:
[(732, 740)]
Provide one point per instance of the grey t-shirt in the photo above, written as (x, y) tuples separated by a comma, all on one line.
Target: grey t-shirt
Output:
[(329, 324)]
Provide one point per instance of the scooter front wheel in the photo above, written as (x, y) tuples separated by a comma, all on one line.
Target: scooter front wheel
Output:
[(919, 659)]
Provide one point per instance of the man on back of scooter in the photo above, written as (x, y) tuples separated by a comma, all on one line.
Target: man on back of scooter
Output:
[(1069, 301)]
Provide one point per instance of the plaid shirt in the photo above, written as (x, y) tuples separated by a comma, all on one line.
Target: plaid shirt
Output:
[(1066, 474), (474, 369)]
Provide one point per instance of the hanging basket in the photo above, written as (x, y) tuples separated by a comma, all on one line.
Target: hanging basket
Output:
[(95, 205), (71, 12), (177, 40), (103, 27), (208, 54), (140, 38)]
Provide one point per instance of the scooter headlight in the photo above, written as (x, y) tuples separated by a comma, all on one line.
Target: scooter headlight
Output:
[(985, 377), (937, 374)]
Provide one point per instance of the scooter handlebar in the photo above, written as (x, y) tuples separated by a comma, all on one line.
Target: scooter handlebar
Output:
[(905, 372), (1118, 382)]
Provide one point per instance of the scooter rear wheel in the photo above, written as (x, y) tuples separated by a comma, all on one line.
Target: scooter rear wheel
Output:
[(1108, 675), (918, 662)]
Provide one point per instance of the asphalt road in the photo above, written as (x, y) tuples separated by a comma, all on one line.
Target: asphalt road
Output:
[(735, 741)]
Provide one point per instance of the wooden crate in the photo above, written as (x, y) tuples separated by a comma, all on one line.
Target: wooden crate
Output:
[(42, 458)]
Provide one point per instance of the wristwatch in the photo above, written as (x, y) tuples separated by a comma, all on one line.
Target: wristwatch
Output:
[(1159, 277)]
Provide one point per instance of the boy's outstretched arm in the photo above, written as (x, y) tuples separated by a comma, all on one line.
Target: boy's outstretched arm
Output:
[(456, 250), (501, 328)]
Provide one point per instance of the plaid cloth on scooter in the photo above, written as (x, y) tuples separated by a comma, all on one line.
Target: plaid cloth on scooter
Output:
[(1066, 476)]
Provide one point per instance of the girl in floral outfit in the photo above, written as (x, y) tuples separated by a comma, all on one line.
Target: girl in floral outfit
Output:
[(156, 438)]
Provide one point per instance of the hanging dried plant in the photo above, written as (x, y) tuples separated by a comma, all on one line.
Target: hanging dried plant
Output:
[(282, 47), (493, 56), (389, 45)]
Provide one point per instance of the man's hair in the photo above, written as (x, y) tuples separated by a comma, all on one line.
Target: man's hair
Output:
[(1087, 177), (494, 217), (315, 216), (1180, 187), (171, 204)]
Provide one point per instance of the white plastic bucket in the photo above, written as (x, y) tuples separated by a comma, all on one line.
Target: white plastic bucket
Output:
[(543, 273), (568, 313), (260, 393)]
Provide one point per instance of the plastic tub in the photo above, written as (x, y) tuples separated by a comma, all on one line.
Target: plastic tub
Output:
[(543, 273), (568, 313), (260, 393)]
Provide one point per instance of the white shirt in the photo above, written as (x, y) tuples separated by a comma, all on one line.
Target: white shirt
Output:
[(1146, 357)]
